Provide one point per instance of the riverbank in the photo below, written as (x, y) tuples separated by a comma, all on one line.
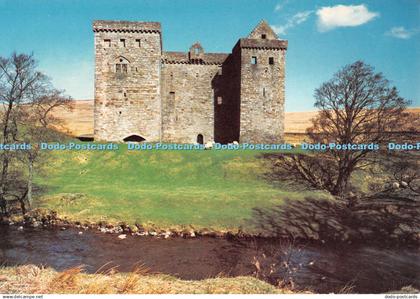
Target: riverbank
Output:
[(48, 219), (30, 279)]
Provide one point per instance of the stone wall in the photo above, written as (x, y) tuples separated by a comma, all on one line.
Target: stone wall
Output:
[(179, 96), (127, 103), (227, 89), (188, 95), (262, 91), (187, 102)]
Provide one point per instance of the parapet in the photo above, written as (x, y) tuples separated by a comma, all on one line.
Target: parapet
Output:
[(262, 43), (126, 26), (184, 58)]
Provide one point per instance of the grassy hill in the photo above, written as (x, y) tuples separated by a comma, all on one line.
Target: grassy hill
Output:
[(203, 189)]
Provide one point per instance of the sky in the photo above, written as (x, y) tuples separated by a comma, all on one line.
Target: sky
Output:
[(323, 36)]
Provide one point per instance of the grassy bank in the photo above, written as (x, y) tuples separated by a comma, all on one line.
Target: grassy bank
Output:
[(30, 279), (202, 189)]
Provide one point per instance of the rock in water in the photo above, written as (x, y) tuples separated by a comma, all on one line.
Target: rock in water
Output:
[(122, 237)]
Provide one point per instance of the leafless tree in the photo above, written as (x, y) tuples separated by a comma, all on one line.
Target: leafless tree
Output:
[(27, 98), (357, 106)]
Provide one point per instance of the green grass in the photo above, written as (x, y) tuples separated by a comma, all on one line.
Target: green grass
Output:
[(203, 189)]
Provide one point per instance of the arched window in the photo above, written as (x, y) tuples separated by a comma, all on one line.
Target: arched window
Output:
[(121, 65)]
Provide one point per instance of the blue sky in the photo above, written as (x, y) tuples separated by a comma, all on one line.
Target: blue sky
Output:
[(323, 36)]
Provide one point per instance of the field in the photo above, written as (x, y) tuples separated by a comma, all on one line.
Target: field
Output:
[(213, 189)]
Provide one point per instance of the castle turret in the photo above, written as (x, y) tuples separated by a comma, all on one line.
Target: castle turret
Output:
[(262, 94), (127, 81)]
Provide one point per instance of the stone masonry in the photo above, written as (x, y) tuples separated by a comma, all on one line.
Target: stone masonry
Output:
[(143, 93)]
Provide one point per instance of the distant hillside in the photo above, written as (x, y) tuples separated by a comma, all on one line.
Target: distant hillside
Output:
[(79, 121)]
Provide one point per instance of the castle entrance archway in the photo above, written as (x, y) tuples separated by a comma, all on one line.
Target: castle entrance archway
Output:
[(134, 138), (200, 139)]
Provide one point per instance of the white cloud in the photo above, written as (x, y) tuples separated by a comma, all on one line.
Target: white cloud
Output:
[(330, 17), (281, 5), (401, 32), (295, 20)]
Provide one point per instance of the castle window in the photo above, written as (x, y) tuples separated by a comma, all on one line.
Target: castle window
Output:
[(171, 100), (263, 36), (172, 96), (219, 71), (122, 43), (264, 92), (270, 60), (107, 43), (219, 100), (253, 60), (121, 68), (138, 42)]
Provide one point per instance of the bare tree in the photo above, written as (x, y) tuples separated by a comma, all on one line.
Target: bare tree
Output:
[(27, 97), (357, 106)]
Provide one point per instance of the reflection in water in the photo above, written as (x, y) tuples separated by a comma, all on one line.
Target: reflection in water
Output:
[(362, 269)]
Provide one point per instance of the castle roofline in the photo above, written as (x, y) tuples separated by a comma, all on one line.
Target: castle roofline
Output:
[(261, 43), (125, 26), (184, 58), (263, 28)]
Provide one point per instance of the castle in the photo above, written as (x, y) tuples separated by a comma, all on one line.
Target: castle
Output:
[(143, 93)]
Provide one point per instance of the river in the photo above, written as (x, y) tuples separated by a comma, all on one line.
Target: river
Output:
[(363, 269)]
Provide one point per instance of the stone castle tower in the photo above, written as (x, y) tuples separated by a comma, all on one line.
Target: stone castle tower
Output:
[(144, 93)]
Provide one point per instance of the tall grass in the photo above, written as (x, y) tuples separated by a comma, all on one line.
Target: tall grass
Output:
[(31, 279)]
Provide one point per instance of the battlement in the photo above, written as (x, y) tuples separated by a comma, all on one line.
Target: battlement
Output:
[(184, 58), (126, 26), (262, 43)]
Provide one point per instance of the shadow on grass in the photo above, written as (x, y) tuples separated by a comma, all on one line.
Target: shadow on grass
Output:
[(373, 221), (277, 177)]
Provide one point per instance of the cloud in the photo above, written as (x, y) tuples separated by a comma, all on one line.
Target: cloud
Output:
[(281, 5), (295, 20), (330, 17), (401, 32)]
